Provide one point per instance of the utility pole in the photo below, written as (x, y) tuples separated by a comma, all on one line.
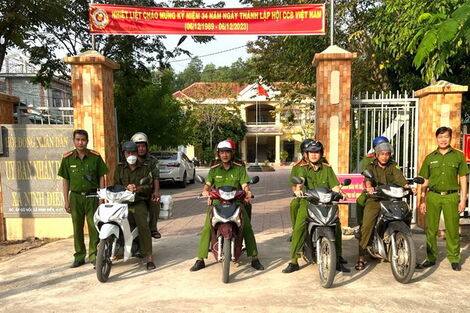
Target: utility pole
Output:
[(332, 20)]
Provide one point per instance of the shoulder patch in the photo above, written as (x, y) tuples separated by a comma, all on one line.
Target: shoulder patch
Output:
[(216, 165), (238, 164), (297, 163), (370, 155), (325, 164), (65, 155), (95, 152), (304, 163)]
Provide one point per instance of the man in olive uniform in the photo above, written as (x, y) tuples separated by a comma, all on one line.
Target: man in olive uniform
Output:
[(141, 140), (361, 200), (227, 173), (444, 171), (73, 168), (315, 173), (384, 171), (128, 174)]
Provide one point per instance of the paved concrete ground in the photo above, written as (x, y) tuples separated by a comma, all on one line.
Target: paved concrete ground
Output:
[(40, 280)]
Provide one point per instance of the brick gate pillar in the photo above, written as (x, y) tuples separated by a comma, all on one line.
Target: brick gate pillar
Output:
[(333, 109), (6, 117), (93, 101), (439, 105), (6, 108)]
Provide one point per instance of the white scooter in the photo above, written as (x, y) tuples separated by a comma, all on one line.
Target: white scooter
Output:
[(115, 232)]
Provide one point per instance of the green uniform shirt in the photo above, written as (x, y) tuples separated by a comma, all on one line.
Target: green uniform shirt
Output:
[(153, 165), (368, 158), (235, 176), (123, 175), (74, 170), (391, 174), (324, 176), (443, 170), (295, 171)]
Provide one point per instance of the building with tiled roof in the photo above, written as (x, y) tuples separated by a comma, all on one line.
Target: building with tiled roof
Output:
[(259, 107)]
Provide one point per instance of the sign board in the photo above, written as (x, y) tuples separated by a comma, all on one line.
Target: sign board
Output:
[(466, 147), (354, 190), (28, 169), (305, 19)]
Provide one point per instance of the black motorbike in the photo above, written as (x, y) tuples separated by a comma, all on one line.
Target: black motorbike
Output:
[(322, 220), (392, 240)]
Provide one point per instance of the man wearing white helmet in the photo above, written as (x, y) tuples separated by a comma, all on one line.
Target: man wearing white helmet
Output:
[(227, 173), (141, 140)]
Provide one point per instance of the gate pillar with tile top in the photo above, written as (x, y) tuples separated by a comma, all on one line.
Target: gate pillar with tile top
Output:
[(333, 106), (93, 100), (439, 105)]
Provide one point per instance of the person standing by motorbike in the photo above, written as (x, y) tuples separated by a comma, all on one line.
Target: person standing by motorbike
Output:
[(227, 173), (315, 173), (141, 140), (368, 158), (385, 171), (298, 191), (73, 168), (128, 174), (444, 171)]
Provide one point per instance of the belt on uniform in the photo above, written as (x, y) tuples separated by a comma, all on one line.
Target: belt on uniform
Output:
[(444, 193), (84, 193)]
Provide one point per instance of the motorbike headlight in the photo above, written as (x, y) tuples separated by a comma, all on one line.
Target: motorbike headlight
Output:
[(325, 197), (395, 192), (227, 195)]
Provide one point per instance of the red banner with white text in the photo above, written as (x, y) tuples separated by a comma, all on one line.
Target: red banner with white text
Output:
[(307, 19)]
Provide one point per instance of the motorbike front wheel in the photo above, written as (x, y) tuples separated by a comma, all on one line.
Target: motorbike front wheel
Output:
[(226, 258), (327, 262), (403, 259), (103, 258)]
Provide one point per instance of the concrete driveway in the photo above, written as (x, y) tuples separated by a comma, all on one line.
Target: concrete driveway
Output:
[(40, 280)]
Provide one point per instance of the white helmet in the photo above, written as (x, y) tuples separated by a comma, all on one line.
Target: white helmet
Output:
[(139, 137), (224, 146)]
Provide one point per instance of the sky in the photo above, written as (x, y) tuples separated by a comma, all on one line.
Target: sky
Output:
[(220, 43)]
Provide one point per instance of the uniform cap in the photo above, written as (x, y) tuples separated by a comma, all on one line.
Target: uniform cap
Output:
[(224, 146)]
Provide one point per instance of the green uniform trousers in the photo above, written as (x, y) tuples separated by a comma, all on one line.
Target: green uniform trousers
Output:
[(248, 209), (248, 235), (154, 213), (449, 206), (294, 208), (82, 207), (300, 230), (360, 203), (138, 213), (371, 212)]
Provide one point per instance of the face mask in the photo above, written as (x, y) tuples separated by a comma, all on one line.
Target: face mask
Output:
[(131, 159)]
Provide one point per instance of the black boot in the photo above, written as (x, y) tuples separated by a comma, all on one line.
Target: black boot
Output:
[(341, 268), (342, 260), (292, 267), (199, 265), (256, 264)]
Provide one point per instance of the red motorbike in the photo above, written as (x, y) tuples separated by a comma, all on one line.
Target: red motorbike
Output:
[(227, 225)]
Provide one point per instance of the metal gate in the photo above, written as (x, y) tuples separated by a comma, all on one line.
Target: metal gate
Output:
[(394, 116)]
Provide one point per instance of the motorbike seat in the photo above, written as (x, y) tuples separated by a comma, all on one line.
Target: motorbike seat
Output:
[(226, 210)]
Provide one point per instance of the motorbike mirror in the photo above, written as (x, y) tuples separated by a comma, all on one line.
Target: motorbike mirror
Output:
[(145, 181), (200, 179), (367, 174), (254, 180), (346, 182), (418, 180), (297, 180)]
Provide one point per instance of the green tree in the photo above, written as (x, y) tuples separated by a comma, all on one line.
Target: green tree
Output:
[(442, 41), (397, 33), (21, 20), (190, 75)]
